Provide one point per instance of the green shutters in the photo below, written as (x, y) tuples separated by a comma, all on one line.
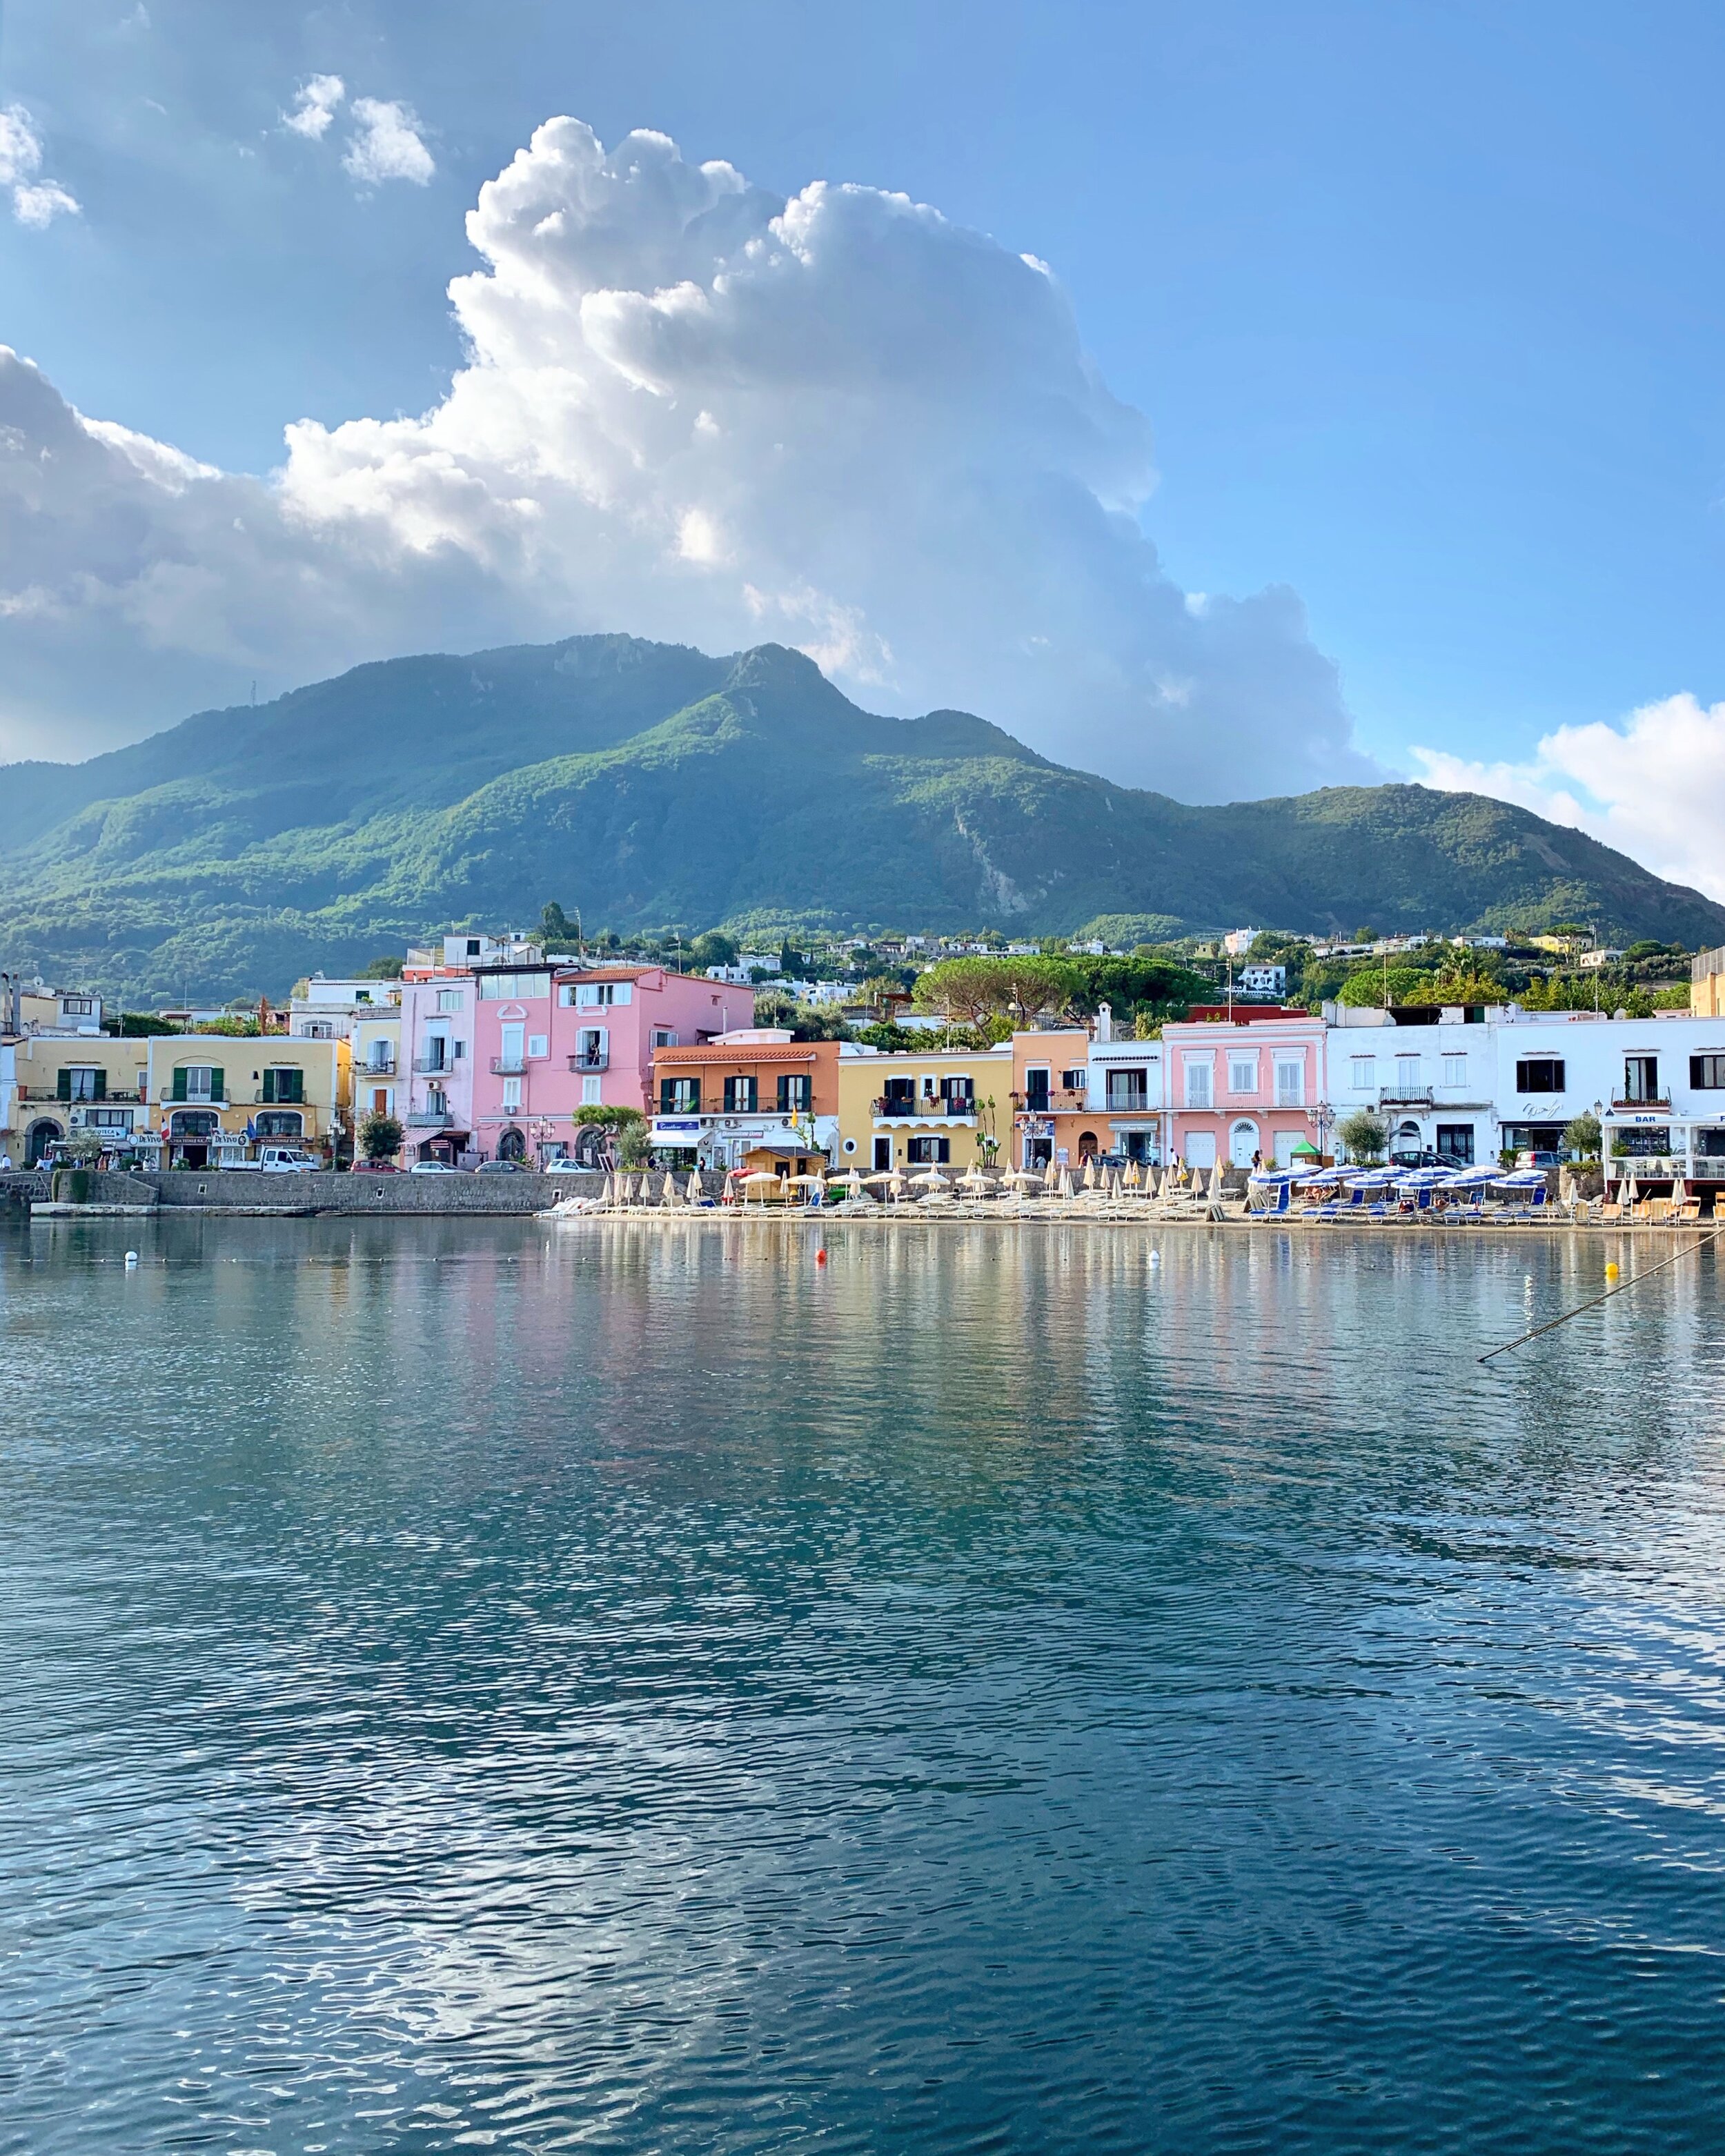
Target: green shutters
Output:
[(98, 1085), (216, 1089), (286, 1088), (795, 1092), (269, 1087), (63, 1086), (179, 1081)]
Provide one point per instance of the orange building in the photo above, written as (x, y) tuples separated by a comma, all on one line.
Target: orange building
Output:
[(1052, 1120), (749, 1099)]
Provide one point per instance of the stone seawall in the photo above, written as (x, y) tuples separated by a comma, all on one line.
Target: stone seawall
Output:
[(212, 1190)]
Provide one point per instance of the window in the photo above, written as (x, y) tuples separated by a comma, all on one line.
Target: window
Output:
[(1706, 1073), (1128, 1089), (598, 995), (1074, 1081), (1642, 1144), (740, 1095), (80, 1083), (1198, 1082), (1456, 1070), (796, 1093), (78, 1006), (280, 1123), (449, 999), (1289, 1083), (198, 1081), (382, 1056), (1242, 1074), (592, 1049), (283, 1084), (930, 1152), (1640, 1078), (592, 1090), (108, 1119), (680, 1096), (474, 946), (1035, 1090), (511, 1094), (538, 1046), (1539, 1073), (437, 1101), (512, 987), (1454, 1143), (317, 1031), (1363, 1072), (663, 1037), (437, 1055)]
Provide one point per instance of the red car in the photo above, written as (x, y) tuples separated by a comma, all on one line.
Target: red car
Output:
[(376, 1167)]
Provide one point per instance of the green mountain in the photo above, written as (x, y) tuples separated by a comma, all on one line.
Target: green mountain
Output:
[(649, 785)]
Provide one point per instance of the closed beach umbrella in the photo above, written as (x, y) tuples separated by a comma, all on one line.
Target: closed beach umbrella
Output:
[(1090, 1173), (1065, 1185), (692, 1194), (667, 1189), (609, 1195)]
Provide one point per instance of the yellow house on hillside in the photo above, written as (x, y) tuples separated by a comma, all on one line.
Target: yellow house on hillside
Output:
[(924, 1108)]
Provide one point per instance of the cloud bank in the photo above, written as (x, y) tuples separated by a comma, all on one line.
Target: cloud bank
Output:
[(1654, 788), (694, 410)]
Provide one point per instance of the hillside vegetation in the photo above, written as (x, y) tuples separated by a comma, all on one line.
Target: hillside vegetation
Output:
[(650, 784)]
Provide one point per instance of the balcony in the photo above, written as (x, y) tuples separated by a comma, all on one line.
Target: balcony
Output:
[(1058, 1100), (508, 1066), (930, 1106), (1641, 1101), (81, 1101), (385, 1069), (593, 1060), (1405, 1096), (432, 1066), (428, 1119)]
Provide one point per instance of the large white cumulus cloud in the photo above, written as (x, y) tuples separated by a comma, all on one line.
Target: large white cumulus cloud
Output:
[(1653, 788), (692, 410)]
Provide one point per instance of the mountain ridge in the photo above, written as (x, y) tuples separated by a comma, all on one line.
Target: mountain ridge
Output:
[(650, 784)]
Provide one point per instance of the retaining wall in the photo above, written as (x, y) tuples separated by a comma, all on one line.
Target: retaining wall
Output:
[(320, 1191)]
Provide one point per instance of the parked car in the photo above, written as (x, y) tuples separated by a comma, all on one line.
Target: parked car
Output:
[(502, 1167), (376, 1167), (433, 1168), (567, 1166), (1414, 1156)]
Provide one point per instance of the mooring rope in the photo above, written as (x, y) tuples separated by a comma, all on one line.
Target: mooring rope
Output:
[(1621, 1288)]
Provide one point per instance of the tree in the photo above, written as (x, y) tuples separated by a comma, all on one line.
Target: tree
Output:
[(1368, 989), (1364, 1134), (386, 969), (1582, 1136), (712, 949), (379, 1135), (975, 989), (777, 1008), (618, 1133), (559, 931)]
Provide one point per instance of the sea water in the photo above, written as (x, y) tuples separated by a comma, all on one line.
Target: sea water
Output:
[(491, 1685)]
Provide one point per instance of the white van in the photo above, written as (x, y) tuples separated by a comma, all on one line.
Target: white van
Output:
[(278, 1160)]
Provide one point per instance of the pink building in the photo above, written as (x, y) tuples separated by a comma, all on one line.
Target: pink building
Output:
[(434, 1078), (1251, 1088), (549, 1039)]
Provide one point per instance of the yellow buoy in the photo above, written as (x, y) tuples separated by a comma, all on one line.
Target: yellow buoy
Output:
[(1611, 1272)]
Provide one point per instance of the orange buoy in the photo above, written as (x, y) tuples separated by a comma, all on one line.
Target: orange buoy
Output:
[(820, 1257)]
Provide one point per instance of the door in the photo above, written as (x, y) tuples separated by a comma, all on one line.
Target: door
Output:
[(901, 1096), (513, 1039), (1200, 1149), (883, 1155), (1243, 1144)]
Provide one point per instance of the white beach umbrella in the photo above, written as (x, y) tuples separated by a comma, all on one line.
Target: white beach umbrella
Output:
[(1065, 1185), (1090, 1173), (931, 1179), (609, 1195), (691, 1195), (667, 1189), (974, 1179)]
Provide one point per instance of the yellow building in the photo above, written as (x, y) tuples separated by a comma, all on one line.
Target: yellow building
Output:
[(214, 1098), (924, 1108), (1707, 985), (75, 1085)]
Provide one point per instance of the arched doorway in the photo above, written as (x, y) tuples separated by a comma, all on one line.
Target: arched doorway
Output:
[(1242, 1144), (43, 1133), (1087, 1145), (1406, 1139), (511, 1146)]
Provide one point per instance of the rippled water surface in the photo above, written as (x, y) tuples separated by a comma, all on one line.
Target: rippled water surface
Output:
[(478, 1685)]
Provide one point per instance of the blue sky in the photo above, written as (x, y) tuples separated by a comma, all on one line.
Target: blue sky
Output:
[(1419, 302)]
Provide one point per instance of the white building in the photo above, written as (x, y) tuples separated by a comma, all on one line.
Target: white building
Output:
[(1262, 981), (1468, 1087), (1126, 1089), (1239, 940)]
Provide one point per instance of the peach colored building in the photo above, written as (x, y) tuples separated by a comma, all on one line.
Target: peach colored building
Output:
[(1249, 1089), (1051, 1116)]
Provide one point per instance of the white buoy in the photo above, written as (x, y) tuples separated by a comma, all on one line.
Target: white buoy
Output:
[(131, 1259), (1156, 1257)]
